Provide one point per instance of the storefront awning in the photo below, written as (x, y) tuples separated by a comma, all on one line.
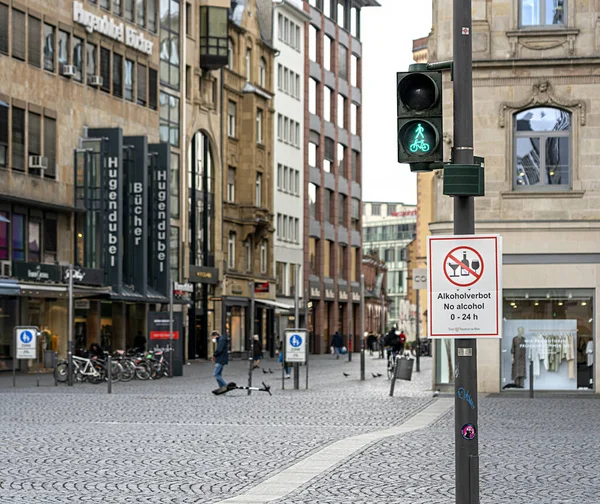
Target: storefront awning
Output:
[(155, 296), (9, 288), (127, 294), (275, 304), (50, 290)]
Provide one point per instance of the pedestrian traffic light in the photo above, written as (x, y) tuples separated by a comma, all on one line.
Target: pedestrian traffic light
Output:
[(419, 98)]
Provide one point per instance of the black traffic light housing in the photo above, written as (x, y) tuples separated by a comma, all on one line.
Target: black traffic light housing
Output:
[(420, 134)]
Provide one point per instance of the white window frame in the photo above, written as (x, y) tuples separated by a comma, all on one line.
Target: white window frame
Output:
[(230, 185), (542, 16), (259, 126), (258, 191), (231, 250), (231, 116), (263, 256)]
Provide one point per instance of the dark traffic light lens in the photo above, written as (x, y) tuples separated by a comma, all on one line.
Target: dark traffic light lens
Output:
[(417, 92), (419, 138)]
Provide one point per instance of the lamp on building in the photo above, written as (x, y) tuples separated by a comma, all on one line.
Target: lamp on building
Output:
[(213, 33)]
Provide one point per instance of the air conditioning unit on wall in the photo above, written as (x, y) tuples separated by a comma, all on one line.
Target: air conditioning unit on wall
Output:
[(38, 162), (68, 70), (95, 80), (5, 268)]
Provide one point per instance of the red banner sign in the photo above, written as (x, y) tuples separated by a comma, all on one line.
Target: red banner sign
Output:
[(163, 335)]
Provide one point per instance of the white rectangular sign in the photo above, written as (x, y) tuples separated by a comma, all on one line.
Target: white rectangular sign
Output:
[(26, 339), (465, 286), (419, 278), (295, 345)]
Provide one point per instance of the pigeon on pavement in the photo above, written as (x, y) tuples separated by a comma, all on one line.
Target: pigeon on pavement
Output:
[(436, 393), (374, 375), (264, 372), (270, 371), (345, 374), (379, 375)]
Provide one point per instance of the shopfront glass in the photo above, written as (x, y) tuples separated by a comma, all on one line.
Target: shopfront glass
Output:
[(8, 321), (548, 334), (236, 328), (444, 361)]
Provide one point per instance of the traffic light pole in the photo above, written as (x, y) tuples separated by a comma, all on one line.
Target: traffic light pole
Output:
[(465, 351)]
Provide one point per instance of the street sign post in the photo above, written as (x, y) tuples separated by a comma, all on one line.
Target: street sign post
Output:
[(26, 339), (295, 345), (465, 286)]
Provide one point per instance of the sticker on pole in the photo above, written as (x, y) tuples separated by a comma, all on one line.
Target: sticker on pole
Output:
[(295, 345), (26, 339), (465, 286)]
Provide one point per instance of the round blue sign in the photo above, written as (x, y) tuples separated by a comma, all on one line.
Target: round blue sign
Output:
[(296, 340), (26, 337)]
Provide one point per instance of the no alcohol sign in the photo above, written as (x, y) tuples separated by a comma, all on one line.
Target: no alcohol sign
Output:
[(465, 286)]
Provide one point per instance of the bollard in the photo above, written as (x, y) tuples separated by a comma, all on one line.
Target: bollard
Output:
[(55, 371), (395, 377), (109, 373)]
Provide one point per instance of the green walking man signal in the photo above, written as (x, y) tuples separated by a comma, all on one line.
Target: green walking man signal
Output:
[(419, 143)]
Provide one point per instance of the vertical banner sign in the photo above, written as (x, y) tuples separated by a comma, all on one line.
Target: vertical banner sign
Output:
[(161, 228), (113, 207), (465, 286), (137, 211)]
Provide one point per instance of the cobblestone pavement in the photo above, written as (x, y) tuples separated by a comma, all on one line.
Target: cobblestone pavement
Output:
[(172, 441)]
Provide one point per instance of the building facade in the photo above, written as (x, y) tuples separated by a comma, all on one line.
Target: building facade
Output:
[(376, 298), (248, 210), (289, 28), (388, 228), (332, 169), (535, 122)]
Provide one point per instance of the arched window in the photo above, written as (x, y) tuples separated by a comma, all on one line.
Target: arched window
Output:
[(262, 75), (230, 49), (542, 148)]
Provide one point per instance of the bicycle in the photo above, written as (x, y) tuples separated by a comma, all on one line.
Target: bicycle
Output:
[(83, 369)]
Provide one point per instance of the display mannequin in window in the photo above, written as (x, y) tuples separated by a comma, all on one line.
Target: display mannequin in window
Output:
[(519, 361)]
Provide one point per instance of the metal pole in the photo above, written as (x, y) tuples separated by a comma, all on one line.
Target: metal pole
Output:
[(251, 355), (307, 332), (382, 355), (15, 362), (531, 379), (466, 450), (109, 373), (362, 327), (70, 330), (418, 331), (297, 324), (55, 366), (37, 378), (395, 377), (171, 330)]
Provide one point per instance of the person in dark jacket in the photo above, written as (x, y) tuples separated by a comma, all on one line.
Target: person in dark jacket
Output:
[(220, 356), (257, 354), (337, 343)]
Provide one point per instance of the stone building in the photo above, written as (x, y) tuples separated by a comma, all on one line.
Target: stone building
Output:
[(536, 122), (376, 298), (248, 158)]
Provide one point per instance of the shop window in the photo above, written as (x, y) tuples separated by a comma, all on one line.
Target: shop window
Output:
[(4, 108), (542, 149), (78, 58), (18, 237), (542, 12), (4, 230), (34, 42), (105, 69), (4, 29), (141, 85), (18, 139), (18, 34), (129, 79), (118, 75), (49, 51)]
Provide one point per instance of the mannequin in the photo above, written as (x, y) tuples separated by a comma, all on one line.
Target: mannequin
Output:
[(519, 361)]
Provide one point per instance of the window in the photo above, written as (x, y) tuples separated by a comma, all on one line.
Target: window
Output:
[(248, 253), (354, 166), (280, 27), (280, 278), (279, 76), (391, 209), (279, 176), (286, 127), (355, 213), (64, 48), (312, 96), (117, 75), (151, 15), (18, 139), (327, 197), (341, 154), (297, 95), (312, 154), (542, 12), (312, 200), (542, 148), (341, 110), (90, 57), (259, 121), (140, 13), (341, 210), (4, 238), (355, 22), (258, 193), (152, 88), (3, 134), (117, 7), (297, 183), (327, 52), (328, 157), (342, 261), (312, 43), (129, 10), (49, 50), (312, 255), (4, 29), (327, 92), (279, 127), (341, 13), (285, 178), (34, 137), (50, 241), (230, 54), (175, 183), (169, 119), (297, 230), (141, 85), (18, 34), (231, 184), (286, 29), (284, 228), (34, 42), (297, 45), (327, 8), (169, 42), (129, 79), (105, 69), (263, 256), (286, 78), (18, 237), (343, 62), (231, 250), (174, 256), (248, 64), (231, 119), (50, 146), (354, 118), (327, 257), (78, 58), (376, 209), (354, 70), (262, 73)]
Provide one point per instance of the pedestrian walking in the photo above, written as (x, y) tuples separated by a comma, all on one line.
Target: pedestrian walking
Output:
[(220, 358), (257, 353), (337, 342)]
